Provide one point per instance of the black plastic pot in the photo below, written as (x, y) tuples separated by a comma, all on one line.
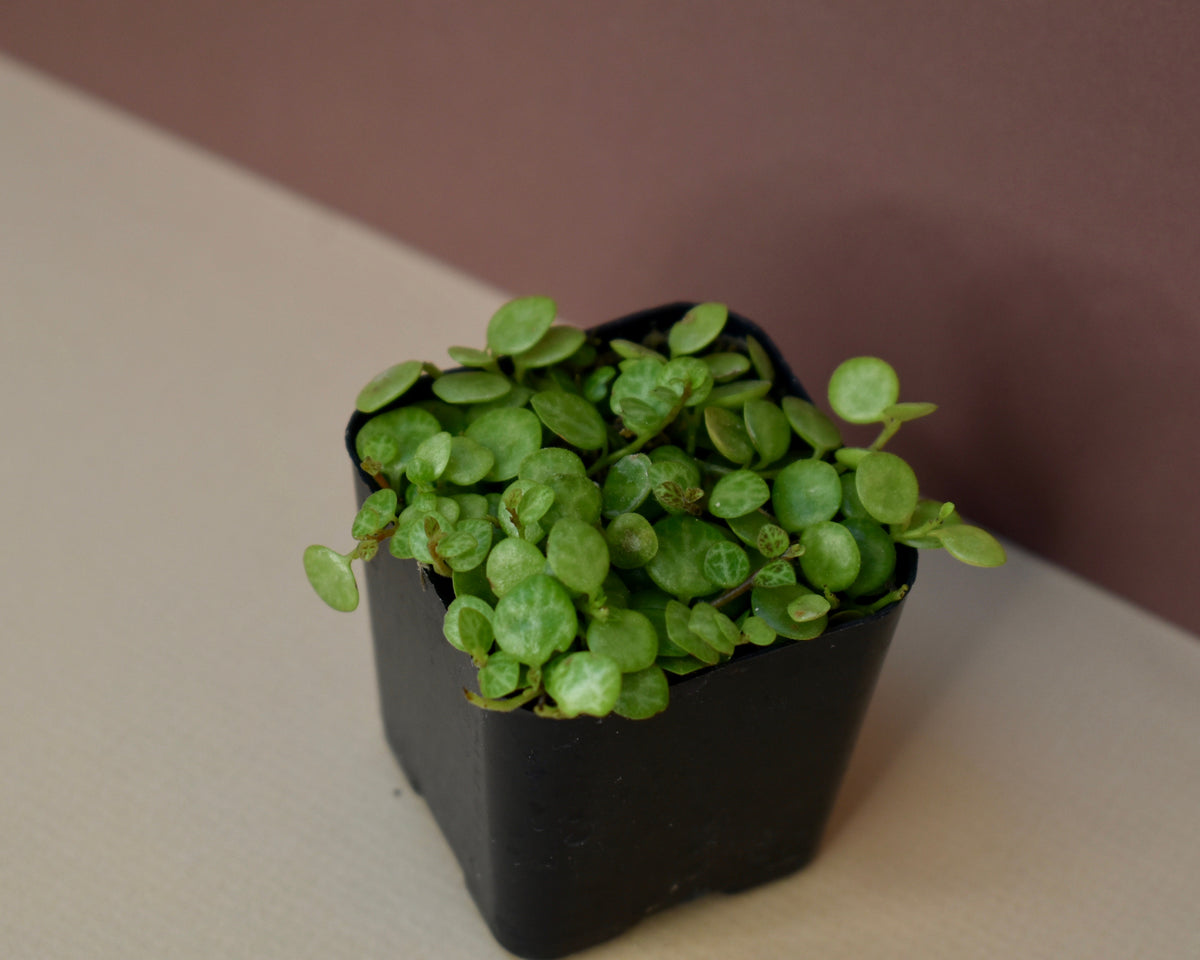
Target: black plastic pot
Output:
[(569, 832)]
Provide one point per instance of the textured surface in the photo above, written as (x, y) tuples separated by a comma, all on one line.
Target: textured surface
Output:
[(192, 758), (1000, 196)]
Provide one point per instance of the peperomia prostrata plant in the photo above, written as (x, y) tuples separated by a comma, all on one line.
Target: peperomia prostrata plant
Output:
[(613, 512)]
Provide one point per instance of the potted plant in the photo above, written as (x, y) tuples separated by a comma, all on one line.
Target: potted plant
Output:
[(631, 598)]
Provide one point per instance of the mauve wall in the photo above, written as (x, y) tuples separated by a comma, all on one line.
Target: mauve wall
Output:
[(1003, 197)]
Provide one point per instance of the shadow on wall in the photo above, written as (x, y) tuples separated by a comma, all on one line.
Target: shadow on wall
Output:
[(1069, 390)]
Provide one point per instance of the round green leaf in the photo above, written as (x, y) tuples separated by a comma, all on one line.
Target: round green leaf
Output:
[(770, 604), (738, 493), (330, 575), (630, 350), (736, 394), (575, 497), (726, 366), (627, 484), (805, 492), (777, 573), (806, 607), (387, 386), (543, 465), (728, 434), (886, 486), (392, 438), (972, 545), (690, 374), (535, 619), (726, 564), (470, 357), (769, 429), (811, 425), (678, 619), (643, 694), (714, 628), (877, 555), (475, 632), (637, 383), (377, 511), (584, 682), (511, 562), (862, 388), (469, 462), (699, 327), (631, 540), (595, 384), (472, 386), (578, 555), (520, 324), (571, 417), (556, 345), (473, 554), (627, 638), (452, 624), (772, 540), (678, 566), (830, 560), (435, 451), (512, 434), (757, 632), (499, 676)]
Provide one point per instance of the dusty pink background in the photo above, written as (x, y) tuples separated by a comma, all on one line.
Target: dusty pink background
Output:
[(1002, 197)]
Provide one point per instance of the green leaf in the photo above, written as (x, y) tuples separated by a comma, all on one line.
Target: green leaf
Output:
[(394, 382), (643, 694), (689, 373), (470, 554), (862, 388), (877, 554), (556, 345), (811, 425), (475, 633), (714, 628), (761, 359), (511, 434), (535, 619), (472, 386), (435, 451), (470, 357), (728, 434), (738, 493), (758, 632), (575, 497), (886, 486), (469, 462), (770, 604), (595, 384), (584, 682), (330, 575), (726, 366), (511, 562), (392, 438), (699, 327), (627, 484), (453, 625), (633, 396), (520, 324), (971, 545), (631, 540), (627, 638), (678, 566), (830, 560), (807, 607), (578, 555), (905, 412), (679, 630), (777, 573), (571, 417), (850, 457), (805, 492), (499, 676), (772, 540), (377, 511), (544, 465), (726, 564), (735, 395), (769, 429), (630, 350)]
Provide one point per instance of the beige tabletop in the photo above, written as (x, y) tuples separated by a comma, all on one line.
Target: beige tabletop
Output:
[(192, 760)]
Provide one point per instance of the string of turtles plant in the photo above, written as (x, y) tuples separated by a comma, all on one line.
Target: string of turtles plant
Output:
[(614, 512)]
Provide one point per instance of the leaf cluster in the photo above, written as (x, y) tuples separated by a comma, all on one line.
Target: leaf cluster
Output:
[(612, 513)]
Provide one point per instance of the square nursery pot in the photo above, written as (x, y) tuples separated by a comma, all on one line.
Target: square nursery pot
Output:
[(570, 831)]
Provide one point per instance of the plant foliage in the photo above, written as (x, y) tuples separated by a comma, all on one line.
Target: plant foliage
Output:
[(614, 512)]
